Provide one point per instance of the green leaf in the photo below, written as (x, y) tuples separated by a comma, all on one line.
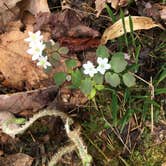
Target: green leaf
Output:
[(102, 51), (56, 56), (126, 118), (92, 94), (129, 80), (63, 50), (99, 87), (70, 63), (112, 78), (160, 91), (19, 121), (98, 78), (59, 78), (118, 63), (76, 78), (86, 86), (162, 77)]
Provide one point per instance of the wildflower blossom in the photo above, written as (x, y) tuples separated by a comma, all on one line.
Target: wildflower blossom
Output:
[(34, 38), (43, 62), (89, 69), (36, 51), (103, 65)]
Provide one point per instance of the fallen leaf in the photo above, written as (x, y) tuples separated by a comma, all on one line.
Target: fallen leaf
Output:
[(16, 65), (7, 4), (79, 44), (18, 159), (100, 4), (65, 24), (69, 98), (118, 3), (163, 164), (34, 6), (29, 100), (163, 13), (7, 116), (7, 16), (117, 30)]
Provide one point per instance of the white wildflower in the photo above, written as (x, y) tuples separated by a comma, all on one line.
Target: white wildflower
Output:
[(103, 65), (36, 51), (43, 62), (34, 38), (89, 69)]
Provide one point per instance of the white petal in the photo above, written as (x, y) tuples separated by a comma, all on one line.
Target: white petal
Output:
[(30, 51), (99, 60), (107, 66), (35, 57), (105, 60)]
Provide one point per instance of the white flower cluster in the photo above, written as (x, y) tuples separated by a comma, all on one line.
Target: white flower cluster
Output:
[(103, 65), (36, 49)]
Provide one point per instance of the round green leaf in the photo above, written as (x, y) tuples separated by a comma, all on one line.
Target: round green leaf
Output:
[(56, 56), (118, 63), (102, 51), (112, 78), (76, 78), (63, 50), (59, 78), (70, 63), (129, 80), (86, 86), (98, 78)]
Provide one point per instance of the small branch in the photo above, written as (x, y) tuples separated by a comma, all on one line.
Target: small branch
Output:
[(151, 106)]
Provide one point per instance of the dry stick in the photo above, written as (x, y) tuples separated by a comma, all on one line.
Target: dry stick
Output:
[(73, 135), (151, 87), (152, 107)]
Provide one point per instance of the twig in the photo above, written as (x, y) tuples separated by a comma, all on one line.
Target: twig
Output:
[(151, 106)]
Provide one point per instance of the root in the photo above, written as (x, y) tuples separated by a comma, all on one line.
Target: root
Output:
[(73, 135)]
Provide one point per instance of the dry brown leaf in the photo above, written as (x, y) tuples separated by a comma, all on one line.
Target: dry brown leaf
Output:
[(163, 164), (100, 4), (7, 4), (34, 6), (163, 13), (117, 30), (15, 64), (29, 100), (18, 159)]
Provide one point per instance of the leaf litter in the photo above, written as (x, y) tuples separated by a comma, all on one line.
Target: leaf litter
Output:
[(66, 27)]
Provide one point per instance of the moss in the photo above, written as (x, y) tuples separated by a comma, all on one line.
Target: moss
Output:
[(152, 156)]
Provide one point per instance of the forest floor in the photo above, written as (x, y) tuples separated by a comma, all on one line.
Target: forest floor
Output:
[(121, 120)]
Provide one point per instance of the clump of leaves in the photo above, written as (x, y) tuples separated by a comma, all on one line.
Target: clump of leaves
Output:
[(115, 74)]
